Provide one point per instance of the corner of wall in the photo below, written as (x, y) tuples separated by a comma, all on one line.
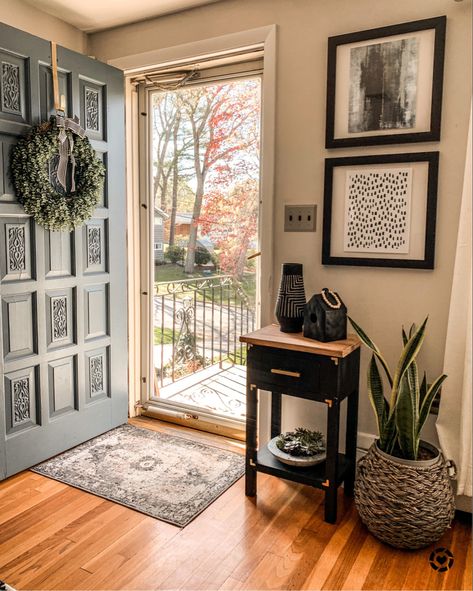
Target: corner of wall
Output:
[(30, 19)]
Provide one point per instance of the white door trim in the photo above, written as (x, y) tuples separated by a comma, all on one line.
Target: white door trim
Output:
[(264, 37), (189, 51)]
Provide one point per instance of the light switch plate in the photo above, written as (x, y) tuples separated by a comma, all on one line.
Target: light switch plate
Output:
[(300, 218)]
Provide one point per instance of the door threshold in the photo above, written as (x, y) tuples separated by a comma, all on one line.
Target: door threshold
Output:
[(196, 420)]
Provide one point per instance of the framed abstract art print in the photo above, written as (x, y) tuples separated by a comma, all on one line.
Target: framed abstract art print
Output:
[(384, 86), (380, 211)]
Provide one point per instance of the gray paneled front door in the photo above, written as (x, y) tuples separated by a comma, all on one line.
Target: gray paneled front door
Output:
[(63, 342)]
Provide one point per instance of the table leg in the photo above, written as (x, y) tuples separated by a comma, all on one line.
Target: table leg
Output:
[(333, 425), (275, 414), (350, 445), (251, 437)]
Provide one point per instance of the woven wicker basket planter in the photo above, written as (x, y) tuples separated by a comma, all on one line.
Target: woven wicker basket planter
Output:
[(406, 504)]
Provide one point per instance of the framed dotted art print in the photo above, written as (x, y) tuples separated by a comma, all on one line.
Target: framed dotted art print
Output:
[(380, 211)]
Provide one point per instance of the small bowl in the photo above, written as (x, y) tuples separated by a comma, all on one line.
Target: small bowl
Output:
[(299, 461)]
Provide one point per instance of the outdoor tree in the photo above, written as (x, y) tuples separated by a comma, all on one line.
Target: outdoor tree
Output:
[(230, 219), (166, 120), (223, 121), (174, 167), (206, 138), (169, 144)]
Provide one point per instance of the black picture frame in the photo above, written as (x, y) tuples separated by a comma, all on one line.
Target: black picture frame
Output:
[(438, 25), (428, 218)]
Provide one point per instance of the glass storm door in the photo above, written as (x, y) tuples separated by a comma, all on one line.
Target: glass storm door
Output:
[(204, 148)]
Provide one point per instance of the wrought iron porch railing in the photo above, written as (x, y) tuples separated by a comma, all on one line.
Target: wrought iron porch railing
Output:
[(197, 323)]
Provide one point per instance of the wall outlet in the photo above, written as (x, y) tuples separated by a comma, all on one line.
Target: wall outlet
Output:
[(300, 218)]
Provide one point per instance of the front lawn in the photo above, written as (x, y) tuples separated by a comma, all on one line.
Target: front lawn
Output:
[(165, 334), (173, 272)]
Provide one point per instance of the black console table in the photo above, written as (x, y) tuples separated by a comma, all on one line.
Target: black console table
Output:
[(292, 365)]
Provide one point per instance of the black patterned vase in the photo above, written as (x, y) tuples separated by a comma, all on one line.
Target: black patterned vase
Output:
[(291, 298)]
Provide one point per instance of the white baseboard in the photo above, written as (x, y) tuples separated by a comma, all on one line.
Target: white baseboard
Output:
[(364, 442), (463, 503)]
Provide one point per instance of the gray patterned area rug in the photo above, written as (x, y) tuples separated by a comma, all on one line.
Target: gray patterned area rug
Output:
[(170, 478)]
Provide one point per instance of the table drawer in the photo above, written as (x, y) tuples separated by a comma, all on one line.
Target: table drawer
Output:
[(284, 371)]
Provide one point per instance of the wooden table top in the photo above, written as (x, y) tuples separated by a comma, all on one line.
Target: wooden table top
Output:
[(271, 336)]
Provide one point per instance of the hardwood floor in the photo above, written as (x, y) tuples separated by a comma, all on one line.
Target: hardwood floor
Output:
[(53, 536)]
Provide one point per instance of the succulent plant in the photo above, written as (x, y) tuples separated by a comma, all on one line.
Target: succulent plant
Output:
[(400, 420), (301, 442)]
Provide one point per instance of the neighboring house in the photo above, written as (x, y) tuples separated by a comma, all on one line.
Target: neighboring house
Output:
[(205, 242), (158, 244), (182, 231), (182, 226)]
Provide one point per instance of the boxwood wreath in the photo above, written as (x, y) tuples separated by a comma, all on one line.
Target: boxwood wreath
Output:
[(30, 174)]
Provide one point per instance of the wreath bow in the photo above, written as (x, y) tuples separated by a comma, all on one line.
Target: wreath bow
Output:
[(66, 148)]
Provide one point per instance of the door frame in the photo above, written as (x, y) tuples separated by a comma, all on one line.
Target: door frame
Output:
[(139, 257)]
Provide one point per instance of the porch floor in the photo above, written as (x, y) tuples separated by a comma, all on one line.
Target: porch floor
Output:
[(219, 390)]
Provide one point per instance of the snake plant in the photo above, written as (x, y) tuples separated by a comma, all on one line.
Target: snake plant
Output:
[(401, 418)]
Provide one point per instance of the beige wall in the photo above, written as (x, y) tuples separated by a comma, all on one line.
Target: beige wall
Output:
[(381, 300), (26, 17)]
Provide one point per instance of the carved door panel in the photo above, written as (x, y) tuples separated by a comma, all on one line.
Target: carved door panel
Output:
[(63, 360)]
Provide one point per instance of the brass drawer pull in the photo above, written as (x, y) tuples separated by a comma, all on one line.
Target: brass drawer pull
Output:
[(283, 372)]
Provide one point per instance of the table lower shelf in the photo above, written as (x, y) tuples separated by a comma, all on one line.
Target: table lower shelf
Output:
[(313, 476)]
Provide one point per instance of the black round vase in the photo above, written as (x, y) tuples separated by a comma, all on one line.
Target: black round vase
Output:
[(291, 298)]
